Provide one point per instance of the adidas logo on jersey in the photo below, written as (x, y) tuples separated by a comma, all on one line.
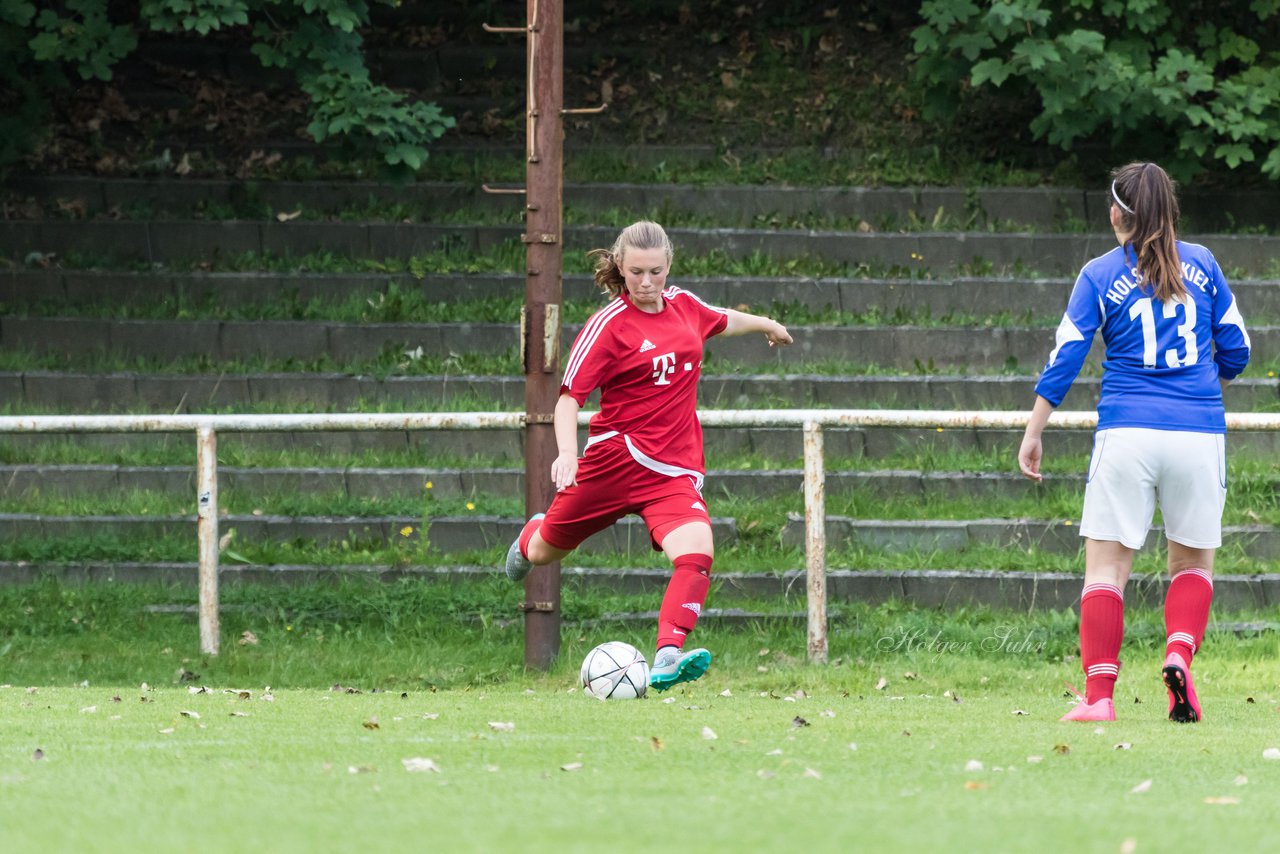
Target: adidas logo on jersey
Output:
[(698, 505), (647, 346)]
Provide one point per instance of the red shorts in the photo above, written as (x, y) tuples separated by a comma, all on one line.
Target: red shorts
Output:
[(610, 485)]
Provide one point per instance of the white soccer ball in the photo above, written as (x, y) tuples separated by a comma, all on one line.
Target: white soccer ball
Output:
[(615, 671)]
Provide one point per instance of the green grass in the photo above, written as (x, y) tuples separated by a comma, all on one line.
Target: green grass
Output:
[(399, 305), (510, 258), (316, 767)]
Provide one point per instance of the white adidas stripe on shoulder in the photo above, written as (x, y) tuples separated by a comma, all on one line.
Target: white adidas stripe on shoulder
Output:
[(587, 339), (672, 291)]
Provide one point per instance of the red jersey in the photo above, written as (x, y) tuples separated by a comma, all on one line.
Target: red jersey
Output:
[(647, 368)]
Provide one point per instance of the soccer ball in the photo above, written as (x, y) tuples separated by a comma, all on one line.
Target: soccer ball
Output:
[(615, 671)]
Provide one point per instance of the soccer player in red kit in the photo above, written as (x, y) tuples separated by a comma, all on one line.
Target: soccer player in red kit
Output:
[(644, 448)]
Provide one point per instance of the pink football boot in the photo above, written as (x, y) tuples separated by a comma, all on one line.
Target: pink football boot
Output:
[(1102, 710), (1184, 707)]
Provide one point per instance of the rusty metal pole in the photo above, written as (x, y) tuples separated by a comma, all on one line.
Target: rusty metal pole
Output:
[(540, 320)]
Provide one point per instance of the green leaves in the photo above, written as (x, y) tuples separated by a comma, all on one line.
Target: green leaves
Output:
[(1127, 72), (199, 16), (86, 40), (319, 40)]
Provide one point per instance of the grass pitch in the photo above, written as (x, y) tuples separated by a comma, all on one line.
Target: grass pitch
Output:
[(927, 729)]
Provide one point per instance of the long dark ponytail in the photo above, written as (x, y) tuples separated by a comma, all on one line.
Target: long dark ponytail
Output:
[(1148, 203)]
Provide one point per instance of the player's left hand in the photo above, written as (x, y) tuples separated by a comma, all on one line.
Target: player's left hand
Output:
[(778, 335)]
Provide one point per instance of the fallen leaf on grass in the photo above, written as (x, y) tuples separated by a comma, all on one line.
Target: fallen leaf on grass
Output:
[(1018, 712), (1124, 745), (1144, 786), (502, 726), (1220, 800), (973, 765), (1129, 846), (709, 734), (572, 766), (372, 723), (853, 745), (239, 714), (419, 763), (809, 772), (248, 638), (1241, 780), (37, 755), (973, 785), (1035, 759), (190, 714), (798, 722), (88, 710), (1271, 753), (167, 730), (881, 683), (1062, 749), (827, 713), (430, 716), (726, 693), (360, 769), (655, 743)]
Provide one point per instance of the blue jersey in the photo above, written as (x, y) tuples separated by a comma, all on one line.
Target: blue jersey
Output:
[(1163, 360)]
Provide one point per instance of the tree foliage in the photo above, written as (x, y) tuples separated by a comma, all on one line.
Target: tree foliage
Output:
[(319, 40), (1200, 80)]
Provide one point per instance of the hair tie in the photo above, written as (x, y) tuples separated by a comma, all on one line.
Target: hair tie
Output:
[(1116, 196)]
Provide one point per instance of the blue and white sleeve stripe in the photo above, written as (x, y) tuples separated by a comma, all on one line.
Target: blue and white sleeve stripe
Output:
[(1074, 337)]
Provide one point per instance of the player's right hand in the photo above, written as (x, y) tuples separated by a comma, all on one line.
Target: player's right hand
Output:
[(564, 471), (1029, 458)]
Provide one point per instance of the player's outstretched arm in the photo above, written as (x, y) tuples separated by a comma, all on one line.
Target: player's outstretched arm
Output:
[(740, 323), (1032, 450), (564, 469)]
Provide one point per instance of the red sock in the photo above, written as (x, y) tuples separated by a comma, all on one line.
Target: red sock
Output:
[(682, 603), (526, 534), (1186, 611), (1101, 632)]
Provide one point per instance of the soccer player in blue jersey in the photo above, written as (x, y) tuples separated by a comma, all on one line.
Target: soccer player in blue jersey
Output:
[(1174, 338)]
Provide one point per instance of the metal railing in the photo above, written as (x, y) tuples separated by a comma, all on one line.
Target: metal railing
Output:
[(810, 421)]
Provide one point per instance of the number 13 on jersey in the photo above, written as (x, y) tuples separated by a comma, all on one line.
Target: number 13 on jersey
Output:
[(1143, 310)]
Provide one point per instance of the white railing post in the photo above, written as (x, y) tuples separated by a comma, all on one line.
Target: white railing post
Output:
[(207, 532), (815, 540)]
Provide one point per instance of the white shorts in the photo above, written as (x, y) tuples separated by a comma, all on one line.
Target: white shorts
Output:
[(1133, 466)]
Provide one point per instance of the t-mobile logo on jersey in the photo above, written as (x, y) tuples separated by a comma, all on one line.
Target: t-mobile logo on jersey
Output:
[(662, 366)]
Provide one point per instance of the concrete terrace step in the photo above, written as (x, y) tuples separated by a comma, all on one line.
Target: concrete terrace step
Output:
[(1044, 299), (1261, 542), (116, 392), (447, 534), (890, 347), (166, 242), (1042, 208), (19, 480), (925, 588)]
